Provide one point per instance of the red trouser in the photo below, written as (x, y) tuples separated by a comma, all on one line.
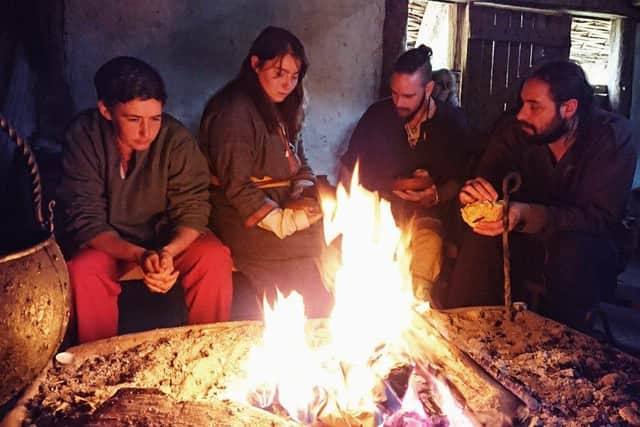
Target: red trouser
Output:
[(205, 275)]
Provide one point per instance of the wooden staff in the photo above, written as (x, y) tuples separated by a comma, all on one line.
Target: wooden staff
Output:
[(510, 184)]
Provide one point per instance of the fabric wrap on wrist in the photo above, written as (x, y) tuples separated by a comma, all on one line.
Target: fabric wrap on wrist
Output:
[(284, 222)]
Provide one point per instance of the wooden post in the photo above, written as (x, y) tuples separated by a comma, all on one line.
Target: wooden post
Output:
[(621, 65), (393, 39)]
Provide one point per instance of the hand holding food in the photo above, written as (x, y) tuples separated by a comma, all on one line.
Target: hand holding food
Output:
[(482, 211)]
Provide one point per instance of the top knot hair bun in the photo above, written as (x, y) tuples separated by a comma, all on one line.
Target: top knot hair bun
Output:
[(413, 60), (425, 50)]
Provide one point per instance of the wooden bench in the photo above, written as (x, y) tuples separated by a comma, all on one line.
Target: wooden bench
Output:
[(141, 310)]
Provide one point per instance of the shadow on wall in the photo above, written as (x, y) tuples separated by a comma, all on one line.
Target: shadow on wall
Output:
[(341, 148)]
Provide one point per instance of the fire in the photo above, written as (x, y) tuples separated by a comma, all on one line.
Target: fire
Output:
[(344, 382), (373, 283), (284, 365)]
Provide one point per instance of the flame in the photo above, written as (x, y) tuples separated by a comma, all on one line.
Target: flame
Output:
[(372, 288), (373, 283), (448, 405), (283, 364), (343, 382)]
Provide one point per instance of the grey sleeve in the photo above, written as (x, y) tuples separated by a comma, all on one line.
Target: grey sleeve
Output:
[(188, 187), (81, 192), (234, 135)]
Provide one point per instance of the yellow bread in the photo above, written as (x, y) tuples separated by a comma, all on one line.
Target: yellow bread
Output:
[(482, 210)]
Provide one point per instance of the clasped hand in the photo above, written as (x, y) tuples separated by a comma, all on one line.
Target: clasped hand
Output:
[(159, 272)]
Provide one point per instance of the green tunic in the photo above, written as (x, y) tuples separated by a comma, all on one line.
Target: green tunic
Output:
[(166, 186)]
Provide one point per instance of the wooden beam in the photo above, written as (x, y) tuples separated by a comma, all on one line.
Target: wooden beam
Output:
[(538, 34), (462, 39), (594, 8), (621, 65), (393, 39)]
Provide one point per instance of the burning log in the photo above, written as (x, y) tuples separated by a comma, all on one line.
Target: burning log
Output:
[(137, 406)]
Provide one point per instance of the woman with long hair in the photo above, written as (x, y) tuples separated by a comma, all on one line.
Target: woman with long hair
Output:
[(250, 133)]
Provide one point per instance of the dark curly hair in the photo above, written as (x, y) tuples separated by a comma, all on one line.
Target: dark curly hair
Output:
[(566, 80), (126, 78), (272, 42)]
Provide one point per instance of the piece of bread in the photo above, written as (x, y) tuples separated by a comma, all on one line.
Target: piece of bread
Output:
[(482, 210), (416, 183)]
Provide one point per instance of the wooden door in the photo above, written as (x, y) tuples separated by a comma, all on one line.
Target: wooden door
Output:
[(503, 45)]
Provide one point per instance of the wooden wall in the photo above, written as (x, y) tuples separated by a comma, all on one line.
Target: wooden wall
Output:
[(503, 45)]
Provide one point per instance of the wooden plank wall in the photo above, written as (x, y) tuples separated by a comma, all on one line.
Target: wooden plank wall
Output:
[(503, 45), (417, 9)]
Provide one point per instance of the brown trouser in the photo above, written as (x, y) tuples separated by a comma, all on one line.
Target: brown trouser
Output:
[(426, 250)]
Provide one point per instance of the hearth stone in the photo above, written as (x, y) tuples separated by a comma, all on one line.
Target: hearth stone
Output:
[(558, 375)]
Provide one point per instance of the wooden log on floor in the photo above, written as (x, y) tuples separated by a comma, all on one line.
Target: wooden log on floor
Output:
[(136, 406), (488, 402), (198, 363)]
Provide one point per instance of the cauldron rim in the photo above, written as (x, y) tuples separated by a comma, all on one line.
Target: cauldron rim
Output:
[(29, 250)]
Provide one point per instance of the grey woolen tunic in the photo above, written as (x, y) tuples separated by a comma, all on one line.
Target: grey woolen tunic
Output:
[(238, 145), (167, 185)]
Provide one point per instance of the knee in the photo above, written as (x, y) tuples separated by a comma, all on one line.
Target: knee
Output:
[(89, 262), (426, 238), (476, 249), (214, 253), (566, 243), (426, 247), (426, 234), (573, 250)]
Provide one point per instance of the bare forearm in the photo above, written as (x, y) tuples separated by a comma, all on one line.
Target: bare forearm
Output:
[(181, 240), (111, 243)]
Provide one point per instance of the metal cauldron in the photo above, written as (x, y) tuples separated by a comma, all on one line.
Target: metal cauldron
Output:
[(35, 296)]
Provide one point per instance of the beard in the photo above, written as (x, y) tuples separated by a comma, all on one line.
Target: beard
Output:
[(558, 128), (407, 115)]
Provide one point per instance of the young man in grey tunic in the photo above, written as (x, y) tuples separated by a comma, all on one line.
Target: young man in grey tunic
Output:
[(134, 191)]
